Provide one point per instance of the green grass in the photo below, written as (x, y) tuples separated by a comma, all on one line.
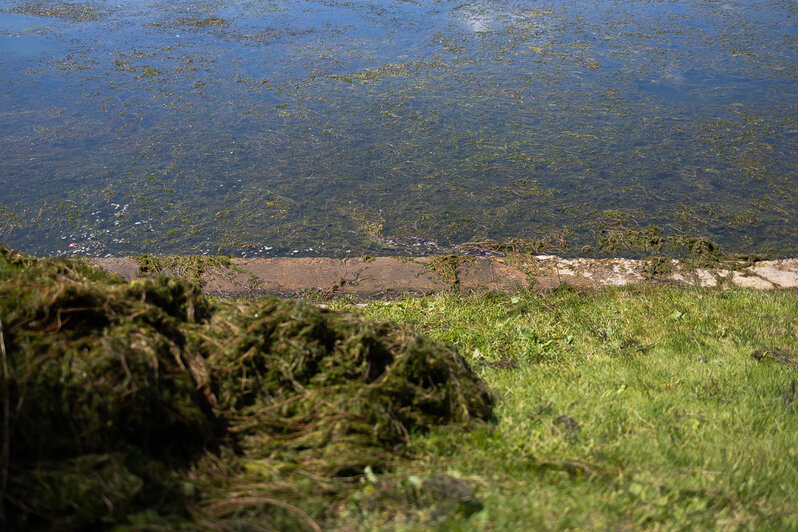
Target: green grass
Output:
[(621, 408)]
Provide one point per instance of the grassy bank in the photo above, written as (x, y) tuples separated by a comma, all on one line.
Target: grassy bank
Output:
[(149, 406), (655, 407)]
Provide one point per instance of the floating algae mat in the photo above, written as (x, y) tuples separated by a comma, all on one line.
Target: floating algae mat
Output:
[(146, 405), (332, 127)]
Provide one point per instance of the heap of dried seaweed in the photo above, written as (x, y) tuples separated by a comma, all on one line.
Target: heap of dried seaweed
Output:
[(143, 404)]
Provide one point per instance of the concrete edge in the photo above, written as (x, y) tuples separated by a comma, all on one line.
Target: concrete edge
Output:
[(329, 277)]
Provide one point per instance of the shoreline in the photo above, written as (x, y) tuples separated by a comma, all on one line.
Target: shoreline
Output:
[(377, 276)]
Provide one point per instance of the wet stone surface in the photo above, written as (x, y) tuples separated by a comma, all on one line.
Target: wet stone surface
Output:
[(323, 127)]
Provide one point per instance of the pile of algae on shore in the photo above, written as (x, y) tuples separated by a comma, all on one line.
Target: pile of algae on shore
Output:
[(147, 406)]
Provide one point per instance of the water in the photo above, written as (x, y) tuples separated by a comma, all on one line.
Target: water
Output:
[(403, 127)]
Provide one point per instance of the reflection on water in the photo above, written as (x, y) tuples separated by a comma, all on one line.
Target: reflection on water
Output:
[(331, 127), (24, 45), (21, 35)]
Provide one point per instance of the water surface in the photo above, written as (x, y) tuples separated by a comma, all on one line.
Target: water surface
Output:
[(347, 127)]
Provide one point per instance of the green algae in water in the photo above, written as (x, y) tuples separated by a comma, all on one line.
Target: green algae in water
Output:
[(71, 11), (441, 123), (208, 22), (144, 404)]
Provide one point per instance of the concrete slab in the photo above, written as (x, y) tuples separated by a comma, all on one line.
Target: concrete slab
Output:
[(397, 275)]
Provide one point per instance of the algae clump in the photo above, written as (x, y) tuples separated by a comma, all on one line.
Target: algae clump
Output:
[(144, 404)]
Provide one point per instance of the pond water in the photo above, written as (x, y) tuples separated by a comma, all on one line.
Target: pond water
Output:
[(326, 127)]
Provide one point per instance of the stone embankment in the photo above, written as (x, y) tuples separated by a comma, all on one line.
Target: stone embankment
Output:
[(395, 275)]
